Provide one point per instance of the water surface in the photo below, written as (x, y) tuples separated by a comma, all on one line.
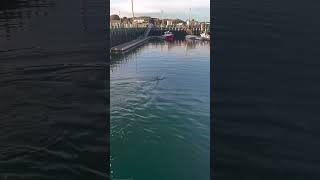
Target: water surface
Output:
[(160, 112), (53, 109), (266, 90)]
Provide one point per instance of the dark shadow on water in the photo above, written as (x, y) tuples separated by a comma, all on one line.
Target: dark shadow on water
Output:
[(53, 90), (19, 4), (13, 14)]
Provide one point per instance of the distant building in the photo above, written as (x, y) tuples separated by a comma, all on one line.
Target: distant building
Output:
[(188, 23), (192, 23), (125, 22), (169, 22), (195, 23), (202, 26), (177, 21), (163, 22), (115, 20), (155, 21), (180, 24), (139, 20)]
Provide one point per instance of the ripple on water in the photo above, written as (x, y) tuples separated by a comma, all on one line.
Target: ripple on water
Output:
[(160, 113), (45, 123)]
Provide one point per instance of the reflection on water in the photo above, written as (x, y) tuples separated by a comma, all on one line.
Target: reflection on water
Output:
[(53, 90), (160, 126), (164, 46)]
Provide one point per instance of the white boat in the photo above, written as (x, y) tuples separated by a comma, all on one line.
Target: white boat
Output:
[(193, 37), (205, 36)]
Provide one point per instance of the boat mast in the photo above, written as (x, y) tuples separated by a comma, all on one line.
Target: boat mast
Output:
[(189, 18), (161, 17), (132, 8)]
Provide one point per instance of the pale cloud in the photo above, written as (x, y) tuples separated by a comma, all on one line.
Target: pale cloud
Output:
[(200, 9)]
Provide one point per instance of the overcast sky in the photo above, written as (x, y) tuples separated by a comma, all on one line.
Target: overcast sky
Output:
[(200, 9)]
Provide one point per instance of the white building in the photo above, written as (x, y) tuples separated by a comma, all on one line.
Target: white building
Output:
[(180, 24), (139, 21), (115, 21)]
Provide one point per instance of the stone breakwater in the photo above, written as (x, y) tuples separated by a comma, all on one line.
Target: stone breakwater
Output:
[(122, 35)]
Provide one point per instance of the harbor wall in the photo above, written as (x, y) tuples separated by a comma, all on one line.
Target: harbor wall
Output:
[(122, 35)]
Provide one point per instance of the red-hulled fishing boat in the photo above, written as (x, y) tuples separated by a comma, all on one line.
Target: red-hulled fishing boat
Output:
[(168, 36)]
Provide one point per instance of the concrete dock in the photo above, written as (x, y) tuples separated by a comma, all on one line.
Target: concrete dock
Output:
[(122, 48)]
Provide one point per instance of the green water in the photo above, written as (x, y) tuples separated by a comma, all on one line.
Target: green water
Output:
[(160, 112)]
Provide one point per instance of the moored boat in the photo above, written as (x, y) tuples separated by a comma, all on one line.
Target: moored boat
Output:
[(193, 37), (169, 36), (205, 36)]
